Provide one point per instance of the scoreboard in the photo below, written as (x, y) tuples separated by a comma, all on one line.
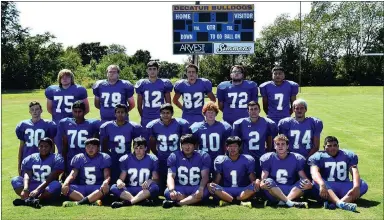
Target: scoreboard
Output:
[(218, 29)]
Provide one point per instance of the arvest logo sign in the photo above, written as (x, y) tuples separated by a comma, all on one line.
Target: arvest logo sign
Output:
[(193, 48), (234, 48)]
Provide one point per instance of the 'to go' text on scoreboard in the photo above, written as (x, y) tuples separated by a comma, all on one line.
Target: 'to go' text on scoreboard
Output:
[(218, 29)]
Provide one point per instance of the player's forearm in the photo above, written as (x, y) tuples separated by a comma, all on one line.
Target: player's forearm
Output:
[(51, 177), (170, 182), (69, 180), (26, 181), (211, 96), (20, 156), (264, 175), (356, 177), (97, 102), (49, 106), (221, 106), (178, 104), (265, 104), (316, 146), (269, 144), (317, 177), (140, 107), (204, 181), (152, 146), (167, 97)]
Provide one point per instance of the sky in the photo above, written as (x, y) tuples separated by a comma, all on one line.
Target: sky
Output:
[(136, 25)]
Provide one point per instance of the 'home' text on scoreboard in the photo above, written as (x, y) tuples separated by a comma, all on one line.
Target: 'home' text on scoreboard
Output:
[(218, 29)]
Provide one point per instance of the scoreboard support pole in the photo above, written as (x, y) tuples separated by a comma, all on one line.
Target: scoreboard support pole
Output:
[(195, 57)]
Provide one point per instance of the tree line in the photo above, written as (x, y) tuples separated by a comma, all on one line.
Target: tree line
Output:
[(324, 48)]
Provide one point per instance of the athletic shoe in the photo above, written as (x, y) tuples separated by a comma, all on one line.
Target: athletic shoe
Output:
[(348, 206), (223, 203), (302, 205), (168, 204), (70, 204), (246, 204), (97, 203)]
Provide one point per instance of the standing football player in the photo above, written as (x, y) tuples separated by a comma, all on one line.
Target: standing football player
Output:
[(139, 176), (116, 137), (188, 172), (211, 133), (256, 132), (329, 170), (152, 93), (164, 138), (234, 95), (40, 172), (283, 176), (75, 131), (303, 132), (89, 179), (278, 95), (60, 99), (237, 172), (112, 91), (30, 131), (193, 90)]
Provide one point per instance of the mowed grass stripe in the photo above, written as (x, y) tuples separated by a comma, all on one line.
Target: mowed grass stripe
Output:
[(353, 114)]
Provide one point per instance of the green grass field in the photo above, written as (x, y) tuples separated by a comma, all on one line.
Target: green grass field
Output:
[(353, 114)]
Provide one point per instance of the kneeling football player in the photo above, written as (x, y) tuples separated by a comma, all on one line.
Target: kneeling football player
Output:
[(238, 173), (283, 176), (40, 174), (188, 174), (91, 173), (139, 176)]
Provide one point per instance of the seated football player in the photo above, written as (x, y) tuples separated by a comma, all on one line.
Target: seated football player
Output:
[(329, 170), (237, 172), (283, 176), (138, 177), (211, 133), (89, 179), (188, 172), (40, 174)]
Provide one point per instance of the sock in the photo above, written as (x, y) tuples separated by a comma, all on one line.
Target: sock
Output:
[(127, 203), (281, 203), (289, 203), (340, 204), (235, 201), (84, 201)]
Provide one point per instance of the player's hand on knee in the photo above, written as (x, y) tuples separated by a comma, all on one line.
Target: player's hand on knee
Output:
[(120, 184), (265, 185), (64, 190), (199, 193), (146, 184), (104, 188), (354, 193), (211, 187), (323, 192), (173, 194), (24, 194), (34, 193), (257, 185), (305, 184)]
